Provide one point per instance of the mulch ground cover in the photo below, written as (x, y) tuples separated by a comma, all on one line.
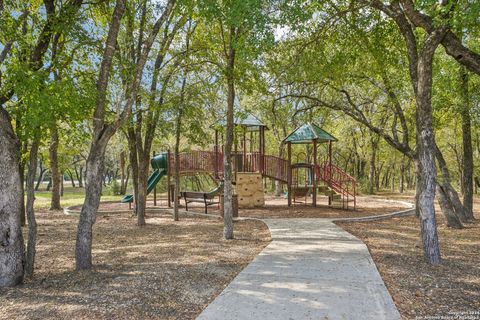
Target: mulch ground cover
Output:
[(165, 270), (421, 291), (276, 207)]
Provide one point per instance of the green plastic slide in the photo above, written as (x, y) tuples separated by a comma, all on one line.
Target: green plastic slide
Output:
[(159, 164)]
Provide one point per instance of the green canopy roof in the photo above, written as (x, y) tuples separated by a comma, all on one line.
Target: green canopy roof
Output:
[(249, 121), (307, 133)]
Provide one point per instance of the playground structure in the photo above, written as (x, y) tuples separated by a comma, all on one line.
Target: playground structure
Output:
[(251, 163)]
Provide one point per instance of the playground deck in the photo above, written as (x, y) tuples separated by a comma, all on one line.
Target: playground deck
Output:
[(334, 182)]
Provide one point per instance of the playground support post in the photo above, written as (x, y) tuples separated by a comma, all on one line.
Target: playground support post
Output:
[(244, 149), (289, 173), (261, 150), (329, 160), (314, 179)]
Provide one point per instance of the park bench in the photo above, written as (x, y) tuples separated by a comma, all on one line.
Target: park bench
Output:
[(207, 198)]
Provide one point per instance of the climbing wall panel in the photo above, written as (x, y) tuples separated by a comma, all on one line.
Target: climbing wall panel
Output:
[(249, 188)]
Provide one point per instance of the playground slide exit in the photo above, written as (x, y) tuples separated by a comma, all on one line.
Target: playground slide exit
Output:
[(160, 166)]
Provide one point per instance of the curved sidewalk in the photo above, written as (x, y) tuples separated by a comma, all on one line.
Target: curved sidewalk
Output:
[(312, 269)]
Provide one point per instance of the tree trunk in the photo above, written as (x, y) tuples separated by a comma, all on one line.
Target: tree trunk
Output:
[(132, 154), (70, 175), (40, 177), (56, 178), (402, 176), (93, 191), (62, 186), (228, 186), (141, 199), (447, 209), (373, 157), (32, 223), (178, 132), (450, 192), (123, 186), (467, 177), (96, 156), (176, 193), (79, 175), (11, 239), (425, 157), (22, 178), (126, 181)]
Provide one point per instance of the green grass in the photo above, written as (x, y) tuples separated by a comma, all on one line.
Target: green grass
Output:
[(71, 197)]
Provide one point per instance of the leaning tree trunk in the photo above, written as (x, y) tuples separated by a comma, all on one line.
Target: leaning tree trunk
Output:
[(96, 156), (447, 209), (11, 198), (40, 178), (72, 179), (32, 223), (93, 191), (56, 178), (228, 186), (467, 178), (79, 174), (425, 157), (450, 192)]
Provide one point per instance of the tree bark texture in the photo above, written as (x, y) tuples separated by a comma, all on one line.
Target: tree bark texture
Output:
[(450, 192), (447, 209), (402, 176), (176, 193), (32, 223), (141, 205), (467, 173), (373, 157), (425, 158), (123, 186), (93, 190), (11, 239), (227, 158), (56, 177), (133, 157), (95, 161), (23, 219)]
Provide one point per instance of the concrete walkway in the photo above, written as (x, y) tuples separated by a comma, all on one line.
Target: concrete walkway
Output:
[(312, 269)]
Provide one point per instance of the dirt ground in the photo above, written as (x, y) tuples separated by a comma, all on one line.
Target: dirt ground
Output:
[(166, 270), (276, 207), (172, 270), (419, 290)]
